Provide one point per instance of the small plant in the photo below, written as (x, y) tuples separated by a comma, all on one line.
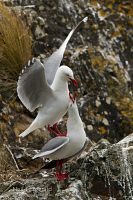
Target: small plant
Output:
[(15, 47)]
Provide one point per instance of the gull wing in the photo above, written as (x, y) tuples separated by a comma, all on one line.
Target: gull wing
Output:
[(80, 151), (32, 87), (53, 62), (52, 145)]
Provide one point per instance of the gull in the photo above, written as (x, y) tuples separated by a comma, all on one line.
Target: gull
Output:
[(45, 86), (62, 148), (34, 92)]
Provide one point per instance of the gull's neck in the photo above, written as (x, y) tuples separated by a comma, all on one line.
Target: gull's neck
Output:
[(74, 113), (59, 84), (75, 129), (74, 123)]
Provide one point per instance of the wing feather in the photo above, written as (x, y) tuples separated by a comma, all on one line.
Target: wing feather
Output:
[(54, 61), (52, 145), (32, 87)]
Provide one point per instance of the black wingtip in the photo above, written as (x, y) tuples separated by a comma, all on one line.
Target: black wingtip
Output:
[(50, 165)]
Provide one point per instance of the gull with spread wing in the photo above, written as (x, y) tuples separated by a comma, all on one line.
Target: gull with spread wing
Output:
[(62, 148), (45, 86)]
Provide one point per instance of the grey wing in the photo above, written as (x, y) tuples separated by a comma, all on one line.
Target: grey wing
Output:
[(52, 146), (79, 152), (53, 62), (32, 87)]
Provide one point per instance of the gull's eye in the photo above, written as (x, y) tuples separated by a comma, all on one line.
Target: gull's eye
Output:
[(67, 75)]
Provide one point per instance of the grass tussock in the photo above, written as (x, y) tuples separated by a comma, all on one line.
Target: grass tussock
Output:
[(15, 46)]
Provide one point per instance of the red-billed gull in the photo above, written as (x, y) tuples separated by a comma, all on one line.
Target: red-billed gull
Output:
[(45, 86), (62, 148)]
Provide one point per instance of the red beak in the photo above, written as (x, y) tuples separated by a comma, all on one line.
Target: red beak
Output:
[(74, 82)]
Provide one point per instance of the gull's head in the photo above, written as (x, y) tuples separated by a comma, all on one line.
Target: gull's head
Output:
[(67, 74)]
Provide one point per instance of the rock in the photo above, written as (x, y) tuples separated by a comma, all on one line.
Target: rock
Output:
[(109, 166), (43, 189), (39, 33), (104, 172)]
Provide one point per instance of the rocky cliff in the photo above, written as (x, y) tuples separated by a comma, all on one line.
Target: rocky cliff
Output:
[(100, 54)]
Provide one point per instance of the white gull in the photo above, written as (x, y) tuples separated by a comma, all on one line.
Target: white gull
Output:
[(46, 87), (62, 148)]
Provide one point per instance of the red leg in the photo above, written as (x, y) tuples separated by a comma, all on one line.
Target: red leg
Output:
[(50, 129), (59, 175), (54, 129)]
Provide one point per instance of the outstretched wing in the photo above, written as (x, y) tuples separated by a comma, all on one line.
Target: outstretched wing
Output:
[(53, 62), (52, 145), (32, 87)]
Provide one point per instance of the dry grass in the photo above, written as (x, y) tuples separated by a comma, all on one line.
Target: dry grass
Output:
[(6, 164), (15, 46)]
